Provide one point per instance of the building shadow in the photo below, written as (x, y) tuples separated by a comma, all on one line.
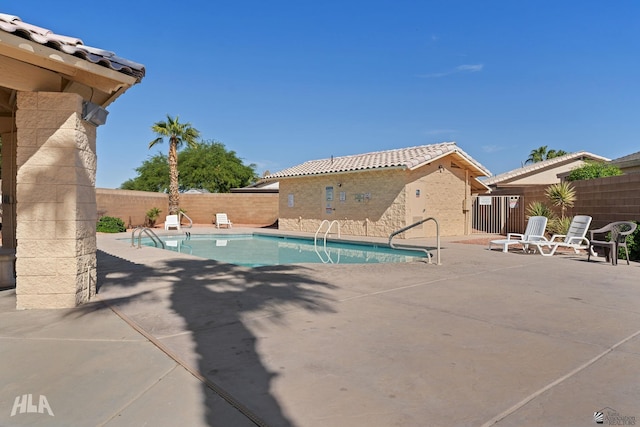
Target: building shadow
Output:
[(206, 313)]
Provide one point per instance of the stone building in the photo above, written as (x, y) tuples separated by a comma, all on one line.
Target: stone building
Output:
[(375, 194), (53, 95)]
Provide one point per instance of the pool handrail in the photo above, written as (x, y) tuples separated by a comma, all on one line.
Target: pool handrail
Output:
[(154, 237), (412, 248), (335, 221), (190, 220)]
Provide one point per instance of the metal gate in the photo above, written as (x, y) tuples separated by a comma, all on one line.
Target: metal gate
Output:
[(497, 214)]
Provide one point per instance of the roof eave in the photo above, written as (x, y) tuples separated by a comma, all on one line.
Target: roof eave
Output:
[(90, 75)]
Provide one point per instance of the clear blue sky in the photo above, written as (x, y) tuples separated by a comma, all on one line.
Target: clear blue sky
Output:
[(283, 82)]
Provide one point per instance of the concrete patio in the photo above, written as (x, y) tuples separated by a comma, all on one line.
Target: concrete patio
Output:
[(484, 339)]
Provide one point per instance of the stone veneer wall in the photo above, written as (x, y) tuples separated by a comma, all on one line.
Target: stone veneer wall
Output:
[(56, 203), (442, 195), (376, 203), (373, 202)]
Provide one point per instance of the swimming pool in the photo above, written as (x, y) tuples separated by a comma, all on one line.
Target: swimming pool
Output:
[(254, 250)]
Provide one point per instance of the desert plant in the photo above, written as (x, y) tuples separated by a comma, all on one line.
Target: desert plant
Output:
[(563, 195), (152, 216), (559, 225), (109, 224), (540, 209)]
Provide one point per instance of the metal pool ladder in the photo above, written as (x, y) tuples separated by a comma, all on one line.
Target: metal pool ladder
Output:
[(410, 248), (188, 218), (149, 232), (326, 221)]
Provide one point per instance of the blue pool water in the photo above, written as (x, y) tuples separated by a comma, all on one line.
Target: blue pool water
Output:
[(253, 250)]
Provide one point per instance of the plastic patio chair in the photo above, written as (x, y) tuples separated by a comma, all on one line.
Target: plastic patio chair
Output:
[(172, 221), (534, 232), (618, 232), (575, 238), (222, 219)]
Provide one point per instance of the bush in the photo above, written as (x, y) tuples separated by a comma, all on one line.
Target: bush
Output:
[(633, 244), (559, 225), (540, 209), (592, 170), (109, 224)]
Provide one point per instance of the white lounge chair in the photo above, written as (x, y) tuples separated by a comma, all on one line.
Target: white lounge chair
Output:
[(534, 232), (222, 219), (172, 221), (574, 239)]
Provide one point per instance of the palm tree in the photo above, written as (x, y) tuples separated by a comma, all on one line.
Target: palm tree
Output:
[(540, 154), (178, 133), (537, 155), (555, 153)]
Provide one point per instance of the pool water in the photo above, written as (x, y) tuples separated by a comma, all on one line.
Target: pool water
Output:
[(253, 250)]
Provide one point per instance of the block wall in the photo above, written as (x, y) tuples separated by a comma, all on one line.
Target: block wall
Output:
[(376, 203), (256, 209), (55, 202), (442, 192), (615, 198)]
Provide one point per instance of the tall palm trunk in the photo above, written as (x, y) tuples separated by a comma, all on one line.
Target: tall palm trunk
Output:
[(174, 195)]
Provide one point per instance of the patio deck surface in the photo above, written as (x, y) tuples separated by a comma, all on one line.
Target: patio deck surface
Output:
[(484, 339)]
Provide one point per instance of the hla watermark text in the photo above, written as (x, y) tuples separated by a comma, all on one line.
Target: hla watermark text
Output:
[(24, 404)]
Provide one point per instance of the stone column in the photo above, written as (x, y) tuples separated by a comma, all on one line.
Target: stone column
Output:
[(55, 202)]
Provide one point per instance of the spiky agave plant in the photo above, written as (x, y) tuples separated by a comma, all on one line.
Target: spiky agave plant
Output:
[(563, 195), (540, 209)]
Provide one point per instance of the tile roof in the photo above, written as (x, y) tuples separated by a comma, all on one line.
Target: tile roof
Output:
[(627, 158), (410, 158), (70, 45), (540, 166)]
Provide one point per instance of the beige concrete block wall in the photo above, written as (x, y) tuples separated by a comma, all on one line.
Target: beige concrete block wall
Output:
[(130, 206), (374, 202), (258, 209), (392, 205), (56, 202), (442, 193)]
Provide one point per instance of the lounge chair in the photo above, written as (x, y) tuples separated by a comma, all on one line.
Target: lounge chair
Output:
[(534, 231), (172, 221), (618, 232), (222, 219), (574, 239)]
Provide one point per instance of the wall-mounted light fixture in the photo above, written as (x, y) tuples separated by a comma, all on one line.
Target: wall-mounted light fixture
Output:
[(93, 113), (440, 168)]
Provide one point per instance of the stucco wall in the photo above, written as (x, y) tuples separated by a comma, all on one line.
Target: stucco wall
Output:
[(376, 203), (243, 208), (546, 176)]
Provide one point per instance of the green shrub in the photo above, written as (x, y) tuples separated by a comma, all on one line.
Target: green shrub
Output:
[(109, 224), (633, 244), (592, 170), (540, 209), (559, 225)]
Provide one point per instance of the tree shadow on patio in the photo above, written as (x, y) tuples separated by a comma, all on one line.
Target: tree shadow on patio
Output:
[(206, 313)]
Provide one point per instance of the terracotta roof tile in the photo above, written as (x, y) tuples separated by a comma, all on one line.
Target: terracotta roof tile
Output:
[(410, 158), (70, 45)]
